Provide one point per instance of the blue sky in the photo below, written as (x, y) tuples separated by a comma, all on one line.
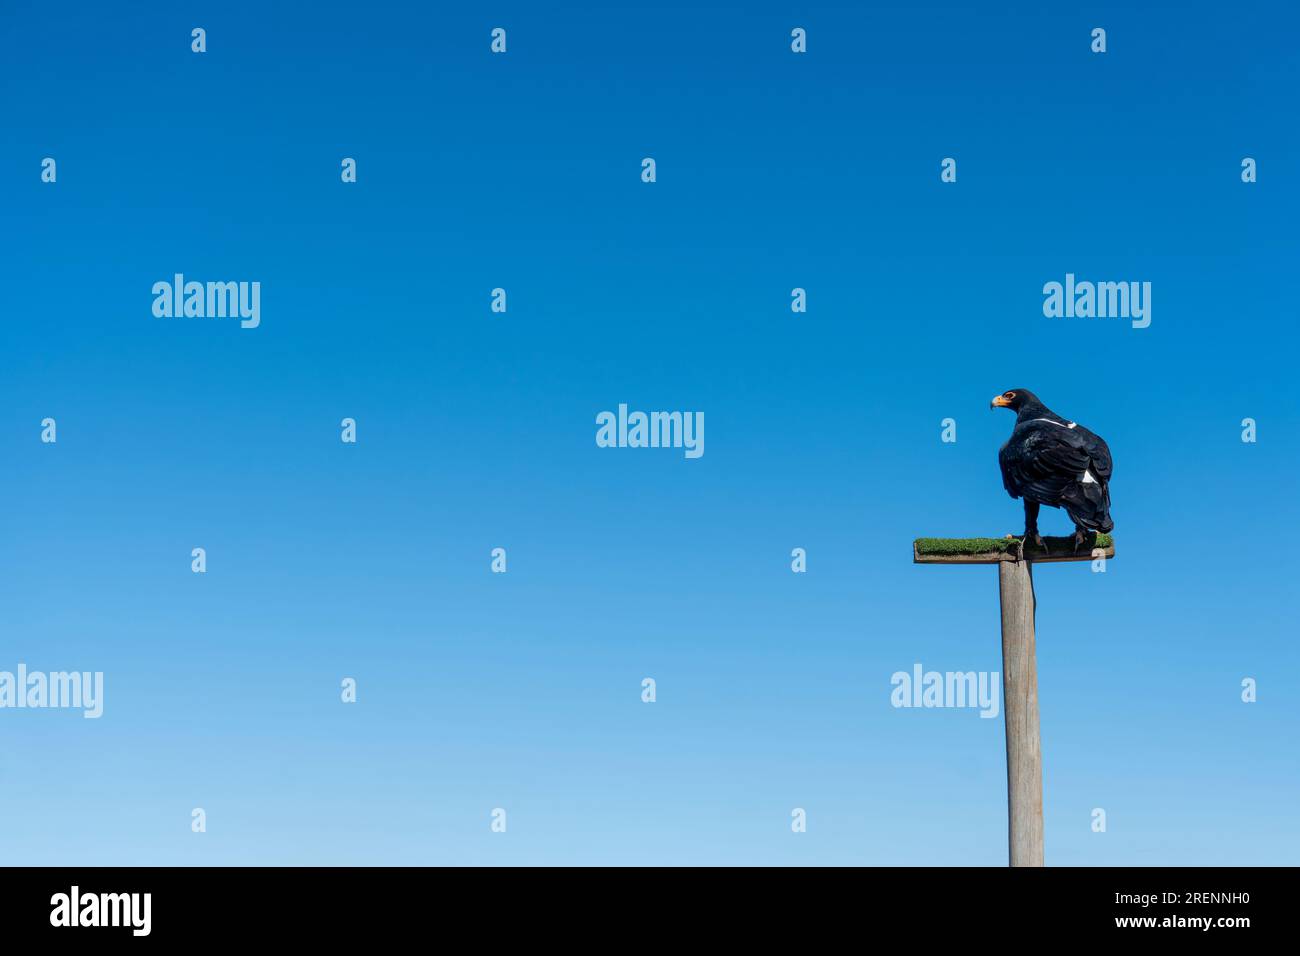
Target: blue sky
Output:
[(476, 430)]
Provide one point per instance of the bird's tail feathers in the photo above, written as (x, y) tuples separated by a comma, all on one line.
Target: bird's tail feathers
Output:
[(1088, 504)]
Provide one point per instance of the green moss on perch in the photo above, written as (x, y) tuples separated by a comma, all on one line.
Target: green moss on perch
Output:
[(993, 550)]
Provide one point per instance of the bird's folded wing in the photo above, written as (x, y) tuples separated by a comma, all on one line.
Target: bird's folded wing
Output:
[(1049, 461)]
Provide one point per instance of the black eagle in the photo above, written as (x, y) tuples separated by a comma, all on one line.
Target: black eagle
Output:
[(1050, 460)]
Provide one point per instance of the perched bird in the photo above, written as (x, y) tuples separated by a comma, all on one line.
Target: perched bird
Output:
[(1050, 460)]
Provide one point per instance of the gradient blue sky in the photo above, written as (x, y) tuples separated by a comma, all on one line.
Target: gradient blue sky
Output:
[(477, 430)]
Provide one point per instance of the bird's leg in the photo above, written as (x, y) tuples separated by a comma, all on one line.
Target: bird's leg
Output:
[(1031, 525)]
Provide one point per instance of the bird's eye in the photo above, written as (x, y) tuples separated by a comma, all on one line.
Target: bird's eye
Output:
[(1009, 395)]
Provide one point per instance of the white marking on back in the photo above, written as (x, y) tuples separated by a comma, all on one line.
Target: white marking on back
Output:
[(1062, 424), (1087, 476)]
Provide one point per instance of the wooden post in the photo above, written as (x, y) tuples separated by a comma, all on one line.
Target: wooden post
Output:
[(1019, 665), (1020, 708)]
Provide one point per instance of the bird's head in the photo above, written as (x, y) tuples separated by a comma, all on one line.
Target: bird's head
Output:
[(1015, 399)]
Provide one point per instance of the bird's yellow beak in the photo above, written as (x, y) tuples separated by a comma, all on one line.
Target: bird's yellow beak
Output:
[(998, 402)]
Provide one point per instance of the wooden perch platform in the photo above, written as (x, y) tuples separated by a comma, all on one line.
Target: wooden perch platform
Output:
[(1015, 559), (998, 550)]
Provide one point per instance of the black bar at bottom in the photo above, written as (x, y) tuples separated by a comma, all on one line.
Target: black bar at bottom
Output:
[(376, 905)]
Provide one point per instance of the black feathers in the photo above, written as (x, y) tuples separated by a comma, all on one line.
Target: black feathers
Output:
[(1053, 461)]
